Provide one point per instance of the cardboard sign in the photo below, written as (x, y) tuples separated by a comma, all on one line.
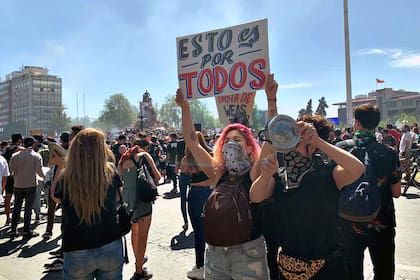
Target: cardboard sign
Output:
[(237, 105), (224, 61)]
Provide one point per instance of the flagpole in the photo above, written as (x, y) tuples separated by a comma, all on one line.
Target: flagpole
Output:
[(349, 98)]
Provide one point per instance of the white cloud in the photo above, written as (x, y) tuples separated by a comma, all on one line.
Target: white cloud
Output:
[(294, 85), (408, 61), (371, 51), (399, 59)]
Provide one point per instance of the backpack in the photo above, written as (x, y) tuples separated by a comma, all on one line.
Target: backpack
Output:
[(145, 185), (9, 152), (227, 215), (360, 201)]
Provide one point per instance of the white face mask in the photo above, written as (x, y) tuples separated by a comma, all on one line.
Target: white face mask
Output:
[(236, 160)]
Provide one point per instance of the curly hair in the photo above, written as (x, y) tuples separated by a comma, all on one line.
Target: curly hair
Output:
[(323, 126)]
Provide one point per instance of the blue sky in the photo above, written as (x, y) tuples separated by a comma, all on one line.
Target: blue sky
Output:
[(104, 47)]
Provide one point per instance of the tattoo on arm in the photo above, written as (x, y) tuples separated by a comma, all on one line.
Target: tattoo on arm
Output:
[(193, 136)]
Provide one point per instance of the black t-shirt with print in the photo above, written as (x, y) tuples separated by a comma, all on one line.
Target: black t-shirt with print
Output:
[(306, 217), (79, 236)]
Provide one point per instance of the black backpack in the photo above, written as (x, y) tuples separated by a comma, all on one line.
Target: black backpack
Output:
[(145, 186), (361, 200), (9, 152)]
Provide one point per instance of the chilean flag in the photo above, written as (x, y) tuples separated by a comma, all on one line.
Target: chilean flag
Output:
[(379, 81)]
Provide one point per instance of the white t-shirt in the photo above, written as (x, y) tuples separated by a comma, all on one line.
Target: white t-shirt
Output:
[(4, 172), (405, 143)]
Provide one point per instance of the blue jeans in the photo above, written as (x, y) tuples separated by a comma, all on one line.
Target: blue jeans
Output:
[(196, 199), (103, 263), (29, 195), (243, 261), (184, 181)]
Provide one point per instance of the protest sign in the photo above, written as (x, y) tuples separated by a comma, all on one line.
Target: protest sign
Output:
[(235, 107), (223, 61)]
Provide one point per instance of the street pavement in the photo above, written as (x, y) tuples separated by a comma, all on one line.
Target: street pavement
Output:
[(170, 250)]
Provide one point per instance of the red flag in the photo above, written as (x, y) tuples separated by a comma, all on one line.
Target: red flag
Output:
[(379, 81)]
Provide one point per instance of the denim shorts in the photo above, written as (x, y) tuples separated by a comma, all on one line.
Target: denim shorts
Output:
[(103, 263), (243, 261)]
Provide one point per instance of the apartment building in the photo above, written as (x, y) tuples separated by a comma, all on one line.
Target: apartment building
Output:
[(29, 99)]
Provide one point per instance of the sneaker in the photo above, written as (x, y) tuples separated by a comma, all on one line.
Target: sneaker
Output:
[(30, 234), (196, 273), (54, 266), (47, 235), (7, 222), (144, 275), (174, 190)]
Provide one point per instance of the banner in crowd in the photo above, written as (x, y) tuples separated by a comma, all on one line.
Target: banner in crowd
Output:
[(224, 61), (235, 106)]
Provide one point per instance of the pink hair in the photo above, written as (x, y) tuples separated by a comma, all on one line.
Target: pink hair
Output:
[(246, 133)]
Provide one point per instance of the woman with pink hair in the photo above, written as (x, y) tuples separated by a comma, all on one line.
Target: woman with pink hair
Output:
[(233, 164)]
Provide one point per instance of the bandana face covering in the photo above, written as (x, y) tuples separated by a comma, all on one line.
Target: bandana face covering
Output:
[(236, 160), (296, 167)]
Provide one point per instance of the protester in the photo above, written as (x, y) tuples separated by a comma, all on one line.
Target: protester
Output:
[(197, 196), (388, 140), (306, 195), (4, 173), (57, 157), (142, 211), (172, 159), (14, 147), (25, 166), (88, 193), (404, 151), (379, 234), (234, 155)]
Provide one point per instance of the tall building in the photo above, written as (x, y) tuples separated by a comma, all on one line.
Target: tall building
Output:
[(29, 100), (391, 103)]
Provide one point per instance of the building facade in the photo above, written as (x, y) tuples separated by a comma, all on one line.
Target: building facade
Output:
[(391, 103), (30, 99)]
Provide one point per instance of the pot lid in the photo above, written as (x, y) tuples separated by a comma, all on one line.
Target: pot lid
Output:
[(281, 131)]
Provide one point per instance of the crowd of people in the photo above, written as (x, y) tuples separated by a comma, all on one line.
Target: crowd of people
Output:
[(250, 220)]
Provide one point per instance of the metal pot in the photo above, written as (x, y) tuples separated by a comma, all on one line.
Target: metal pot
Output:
[(280, 132)]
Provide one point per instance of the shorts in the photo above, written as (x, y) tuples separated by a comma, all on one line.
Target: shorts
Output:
[(10, 185)]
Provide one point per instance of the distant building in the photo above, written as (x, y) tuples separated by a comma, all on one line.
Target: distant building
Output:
[(391, 103), (29, 99)]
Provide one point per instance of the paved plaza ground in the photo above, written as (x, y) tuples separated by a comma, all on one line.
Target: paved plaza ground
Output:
[(170, 250)]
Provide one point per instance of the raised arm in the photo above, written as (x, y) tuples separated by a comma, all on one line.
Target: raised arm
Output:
[(348, 168), (203, 158), (271, 93)]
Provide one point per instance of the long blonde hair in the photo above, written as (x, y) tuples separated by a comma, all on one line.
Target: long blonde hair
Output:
[(88, 174)]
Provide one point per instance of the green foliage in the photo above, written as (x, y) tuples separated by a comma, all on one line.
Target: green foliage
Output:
[(117, 113), (60, 121), (169, 113)]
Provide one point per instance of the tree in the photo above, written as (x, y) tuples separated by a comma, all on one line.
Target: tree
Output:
[(118, 112), (60, 121), (320, 110), (169, 114)]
